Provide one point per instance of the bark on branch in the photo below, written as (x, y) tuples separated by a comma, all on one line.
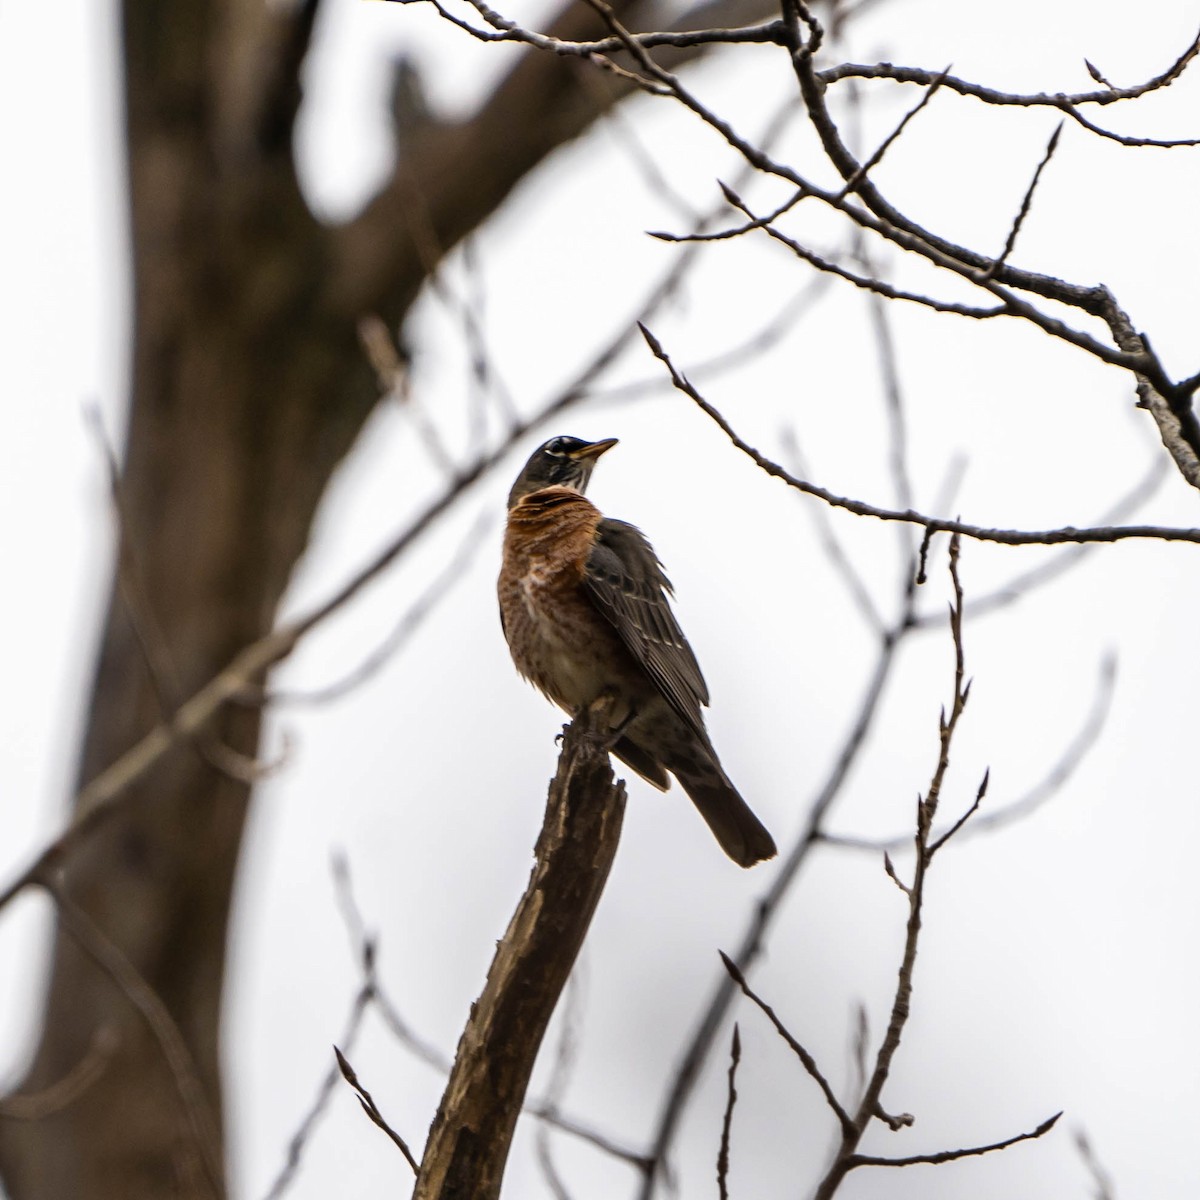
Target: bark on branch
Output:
[(470, 1137)]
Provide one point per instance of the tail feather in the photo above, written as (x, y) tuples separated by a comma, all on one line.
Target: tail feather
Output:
[(643, 762), (741, 834)]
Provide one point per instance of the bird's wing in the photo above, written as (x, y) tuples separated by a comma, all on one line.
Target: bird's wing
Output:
[(625, 581)]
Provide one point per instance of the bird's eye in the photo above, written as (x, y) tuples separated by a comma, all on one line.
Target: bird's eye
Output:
[(556, 445)]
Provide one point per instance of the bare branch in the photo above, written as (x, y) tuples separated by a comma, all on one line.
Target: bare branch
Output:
[(923, 77), (810, 1063), (945, 1156), (1008, 537), (868, 283), (504, 30)]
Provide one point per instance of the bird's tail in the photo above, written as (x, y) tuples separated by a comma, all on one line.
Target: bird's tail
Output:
[(741, 834)]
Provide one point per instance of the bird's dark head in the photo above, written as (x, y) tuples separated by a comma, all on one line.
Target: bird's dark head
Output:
[(562, 461)]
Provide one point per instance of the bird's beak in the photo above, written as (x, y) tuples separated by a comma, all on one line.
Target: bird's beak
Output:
[(593, 450)]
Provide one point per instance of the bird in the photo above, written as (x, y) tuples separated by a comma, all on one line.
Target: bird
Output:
[(585, 609)]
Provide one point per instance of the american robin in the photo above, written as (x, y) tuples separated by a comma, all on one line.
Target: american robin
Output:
[(583, 603)]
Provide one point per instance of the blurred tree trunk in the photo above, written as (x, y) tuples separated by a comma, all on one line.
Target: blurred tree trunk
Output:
[(249, 387)]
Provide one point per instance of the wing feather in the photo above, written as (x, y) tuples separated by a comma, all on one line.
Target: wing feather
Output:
[(626, 583)]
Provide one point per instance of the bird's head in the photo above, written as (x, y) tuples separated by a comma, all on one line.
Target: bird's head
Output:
[(562, 461)]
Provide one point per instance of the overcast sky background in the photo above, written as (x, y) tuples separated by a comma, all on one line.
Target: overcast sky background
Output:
[(1059, 966)]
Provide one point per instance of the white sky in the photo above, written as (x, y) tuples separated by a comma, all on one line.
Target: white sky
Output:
[(1058, 967)]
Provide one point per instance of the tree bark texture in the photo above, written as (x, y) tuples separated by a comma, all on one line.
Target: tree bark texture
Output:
[(249, 387), (470, 1137)]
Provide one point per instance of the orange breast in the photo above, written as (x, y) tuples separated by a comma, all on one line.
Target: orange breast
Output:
[(558, 640)]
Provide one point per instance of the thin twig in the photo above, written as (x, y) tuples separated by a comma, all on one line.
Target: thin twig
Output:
[(877, 157), (832, 546), (1101, 1179), (546, 1108), (300, 1139), (945, 1156), (1026, 204), (1045, 789), (152, 643), (37, 1106), (108, 956), (565, 1051), (403, 631), (372, 1109), (809, 1063), (735, 1057), (964, 87), (938, 843), (1024, 582)]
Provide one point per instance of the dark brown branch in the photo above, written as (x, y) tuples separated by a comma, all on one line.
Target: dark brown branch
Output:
[(724, 235), (1171, 406), (1125, 139), (469, 1141)]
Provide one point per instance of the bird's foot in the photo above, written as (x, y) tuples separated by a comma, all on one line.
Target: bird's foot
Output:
[(605, 719)]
